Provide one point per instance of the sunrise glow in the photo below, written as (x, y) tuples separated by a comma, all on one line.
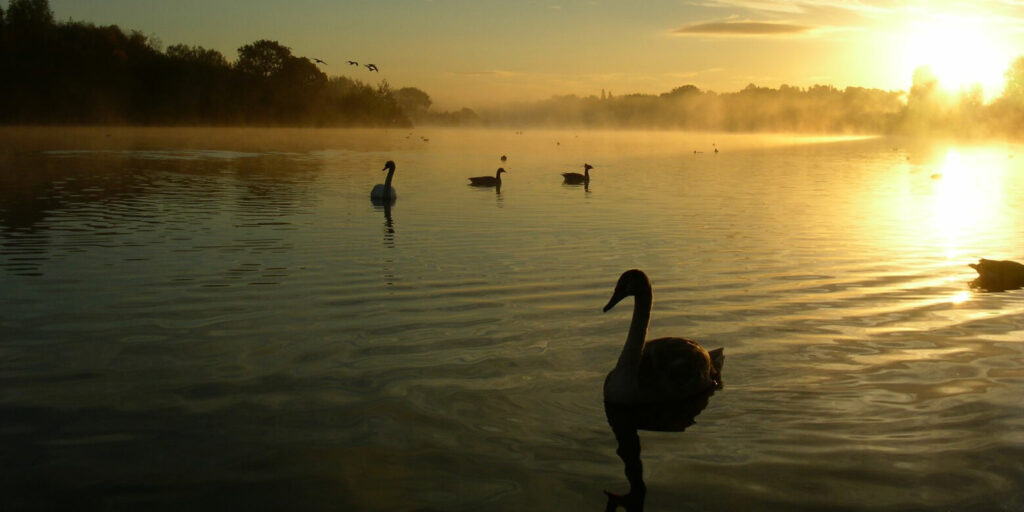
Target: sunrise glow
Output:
[(961, 52)]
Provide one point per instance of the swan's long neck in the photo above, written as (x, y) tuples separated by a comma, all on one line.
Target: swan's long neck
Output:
[(634, 347), (387, 181)]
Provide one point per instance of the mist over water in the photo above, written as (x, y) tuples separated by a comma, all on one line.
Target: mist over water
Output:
[(205, 318)]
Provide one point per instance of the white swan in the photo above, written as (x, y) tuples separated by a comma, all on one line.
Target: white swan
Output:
[(382, 191), (661, 370)]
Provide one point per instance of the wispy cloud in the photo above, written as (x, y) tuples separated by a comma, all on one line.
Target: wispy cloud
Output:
[(742, 28), (804, 6)]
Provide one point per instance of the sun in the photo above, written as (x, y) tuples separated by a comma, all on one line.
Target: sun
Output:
[(961, 52)]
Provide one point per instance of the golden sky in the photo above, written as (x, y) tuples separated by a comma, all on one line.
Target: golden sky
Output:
[(479, 52)]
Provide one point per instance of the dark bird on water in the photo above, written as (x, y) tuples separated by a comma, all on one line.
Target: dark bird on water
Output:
[(660, 384), (353, 63), (385, 192), (371, 67), (318, 61), (660, 370), (504, 158), (575, 178), (487, 181), (998, 275)]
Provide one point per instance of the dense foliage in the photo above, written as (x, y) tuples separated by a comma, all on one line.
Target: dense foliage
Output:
[(78, 72)]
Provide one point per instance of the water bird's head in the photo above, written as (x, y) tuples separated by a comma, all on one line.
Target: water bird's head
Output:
[(389, 166), (501, 170), (631, 282), (587, 167)]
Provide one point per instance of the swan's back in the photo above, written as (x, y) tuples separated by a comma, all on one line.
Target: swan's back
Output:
[(483, 181), (573, 177), (378, 192), (678, 369)]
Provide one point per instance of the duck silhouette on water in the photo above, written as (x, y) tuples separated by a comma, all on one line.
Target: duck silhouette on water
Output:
[(575, 178), (487, 181), (659, 385)]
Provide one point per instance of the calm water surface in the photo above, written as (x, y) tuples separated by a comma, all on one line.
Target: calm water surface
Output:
[(207, 318)]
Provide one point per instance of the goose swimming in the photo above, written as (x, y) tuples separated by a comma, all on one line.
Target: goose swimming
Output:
[(661, 370), (487, 181), (382, 191), (575, 178)]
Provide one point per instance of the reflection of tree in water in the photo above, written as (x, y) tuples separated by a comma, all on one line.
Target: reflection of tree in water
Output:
[(142, 198), (626, 421), (273, 187)]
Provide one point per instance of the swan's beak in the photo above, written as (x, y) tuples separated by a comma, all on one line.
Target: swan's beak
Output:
[(613, 301)]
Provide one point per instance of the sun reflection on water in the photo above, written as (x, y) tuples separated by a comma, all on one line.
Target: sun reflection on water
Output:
[(966, 201)]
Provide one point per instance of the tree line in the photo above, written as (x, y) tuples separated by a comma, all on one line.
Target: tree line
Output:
[(926, 109), (80, 73)]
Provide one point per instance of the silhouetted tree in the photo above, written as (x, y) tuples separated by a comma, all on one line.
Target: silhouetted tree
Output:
[(196, 55), (1014, 90), (413, 101), (262, 58), (29, 13)]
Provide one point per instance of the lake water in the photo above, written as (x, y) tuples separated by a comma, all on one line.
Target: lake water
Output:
[(222, 319)]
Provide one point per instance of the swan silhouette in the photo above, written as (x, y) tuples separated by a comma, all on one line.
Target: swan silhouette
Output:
[(487, 181), (384, 191), (661, 370), (661, 385), (575, 178)]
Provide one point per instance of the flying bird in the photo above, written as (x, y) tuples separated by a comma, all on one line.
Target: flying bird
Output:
[(353, 63), (371, 67), (318, 61)]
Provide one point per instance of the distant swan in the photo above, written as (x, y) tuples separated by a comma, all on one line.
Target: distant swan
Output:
[(487, 181), (382, 191), (661, 370), (575, 178)]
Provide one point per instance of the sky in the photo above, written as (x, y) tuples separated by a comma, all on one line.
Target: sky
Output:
[(477, 53)]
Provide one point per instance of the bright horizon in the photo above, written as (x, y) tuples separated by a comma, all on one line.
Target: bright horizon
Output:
[(479, 53)]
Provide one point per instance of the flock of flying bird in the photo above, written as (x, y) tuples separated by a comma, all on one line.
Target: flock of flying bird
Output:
[(371, 67)]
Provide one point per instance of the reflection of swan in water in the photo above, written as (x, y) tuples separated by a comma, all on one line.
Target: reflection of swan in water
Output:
[(385, 191), (389, 226), (575, 178), (658, 385), (625, 420), (487, 181), (998, 276)]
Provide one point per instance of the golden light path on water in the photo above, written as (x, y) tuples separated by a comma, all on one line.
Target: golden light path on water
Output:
[(946, 205), (966, 201)]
